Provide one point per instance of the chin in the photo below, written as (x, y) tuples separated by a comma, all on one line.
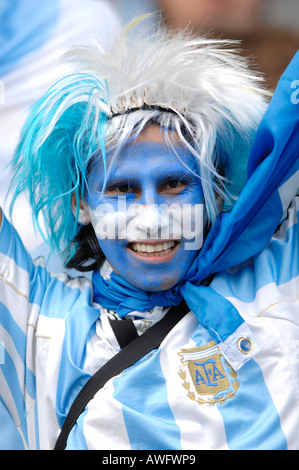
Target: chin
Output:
[(155, 283)]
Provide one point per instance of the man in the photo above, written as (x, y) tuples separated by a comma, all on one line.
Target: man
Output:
[(139, 165)]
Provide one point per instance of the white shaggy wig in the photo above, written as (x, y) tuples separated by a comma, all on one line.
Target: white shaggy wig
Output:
[(200, 88)]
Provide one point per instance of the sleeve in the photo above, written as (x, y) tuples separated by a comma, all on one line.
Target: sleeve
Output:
[(22, 286)]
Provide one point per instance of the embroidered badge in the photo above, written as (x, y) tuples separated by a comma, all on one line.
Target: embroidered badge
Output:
[(207, 376)]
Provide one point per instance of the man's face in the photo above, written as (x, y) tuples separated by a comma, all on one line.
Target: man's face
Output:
[(155, 203)]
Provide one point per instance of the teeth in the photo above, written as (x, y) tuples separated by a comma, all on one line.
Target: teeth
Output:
[(153, 250)]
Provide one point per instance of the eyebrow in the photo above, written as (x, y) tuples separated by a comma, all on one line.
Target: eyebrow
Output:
[(118, 181)]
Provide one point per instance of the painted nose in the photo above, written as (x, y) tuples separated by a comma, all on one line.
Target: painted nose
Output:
[(150, 196), (145, 223)]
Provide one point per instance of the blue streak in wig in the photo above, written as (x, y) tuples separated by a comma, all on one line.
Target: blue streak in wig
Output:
[(61, 135)]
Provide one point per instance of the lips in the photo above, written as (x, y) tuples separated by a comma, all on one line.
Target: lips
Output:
[(147, 249)]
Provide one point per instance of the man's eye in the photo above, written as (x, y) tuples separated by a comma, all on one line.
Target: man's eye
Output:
[(121, 188), (173, 186)]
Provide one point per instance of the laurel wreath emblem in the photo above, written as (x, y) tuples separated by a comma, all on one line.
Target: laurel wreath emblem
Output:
[(211, 401)]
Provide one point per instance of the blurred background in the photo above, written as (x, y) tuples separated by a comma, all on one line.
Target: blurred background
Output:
[(34, 35), (268, 29), (284, 14), (281, 13)]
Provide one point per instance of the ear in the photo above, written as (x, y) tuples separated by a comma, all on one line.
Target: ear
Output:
[(83, 215)]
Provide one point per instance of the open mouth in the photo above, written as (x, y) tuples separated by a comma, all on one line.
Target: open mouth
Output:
[(156, 249)]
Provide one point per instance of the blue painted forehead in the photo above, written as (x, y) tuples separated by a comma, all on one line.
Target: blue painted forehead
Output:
[(151, 149)]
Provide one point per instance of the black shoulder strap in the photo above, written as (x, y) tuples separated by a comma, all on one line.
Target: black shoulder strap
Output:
[(124, 331), (131, 353)]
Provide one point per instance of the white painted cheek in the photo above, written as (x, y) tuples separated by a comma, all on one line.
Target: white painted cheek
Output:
[(107, 222), (150, 222), (138, 222), (194, 223)]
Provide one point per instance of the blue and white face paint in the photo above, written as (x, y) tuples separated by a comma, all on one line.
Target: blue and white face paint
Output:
[(149, 222), (150, 218)]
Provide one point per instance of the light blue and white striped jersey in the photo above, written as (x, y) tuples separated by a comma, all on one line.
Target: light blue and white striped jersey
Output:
[(33, 38), (183, 395), (190, 393)]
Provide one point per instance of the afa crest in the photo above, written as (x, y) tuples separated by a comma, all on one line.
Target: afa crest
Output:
[(206, 375)]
